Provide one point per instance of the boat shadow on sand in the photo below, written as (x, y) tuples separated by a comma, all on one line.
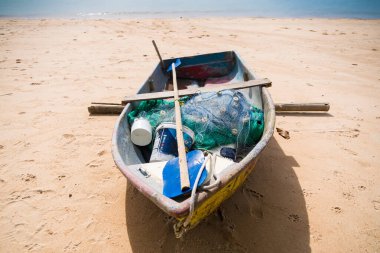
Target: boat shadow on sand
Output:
[(267, 214)]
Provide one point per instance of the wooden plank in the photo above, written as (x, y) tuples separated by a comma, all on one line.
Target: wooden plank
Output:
[(169, 94)]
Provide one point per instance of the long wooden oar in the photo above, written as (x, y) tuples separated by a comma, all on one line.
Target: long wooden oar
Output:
[(184, 173)]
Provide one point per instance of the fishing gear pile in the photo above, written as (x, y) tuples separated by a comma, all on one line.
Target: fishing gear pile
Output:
[(217, 118)]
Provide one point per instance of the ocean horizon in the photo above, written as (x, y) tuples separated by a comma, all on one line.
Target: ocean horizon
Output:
[(366, 9)]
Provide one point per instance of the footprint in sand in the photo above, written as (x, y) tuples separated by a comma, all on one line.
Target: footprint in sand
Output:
[(315, 235), (28, 177), (337, 173), (348, 195), (350, 151), (69, 137), (376, 204), (95, 163), (337, 209), (17, 196), (61, 177), (294, 218), (101, 153), (34, 246), (39, 191), (352, 133), (254, 201), (307, 193), (227, 222)]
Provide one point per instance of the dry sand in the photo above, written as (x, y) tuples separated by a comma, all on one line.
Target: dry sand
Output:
[(61, 192)]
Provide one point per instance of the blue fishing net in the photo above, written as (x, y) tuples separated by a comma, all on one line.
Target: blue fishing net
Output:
[(217, 118)]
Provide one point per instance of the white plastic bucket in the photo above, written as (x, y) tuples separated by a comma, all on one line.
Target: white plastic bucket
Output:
[(141, 132)]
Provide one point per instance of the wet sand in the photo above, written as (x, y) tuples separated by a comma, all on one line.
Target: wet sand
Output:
[(61, 192)]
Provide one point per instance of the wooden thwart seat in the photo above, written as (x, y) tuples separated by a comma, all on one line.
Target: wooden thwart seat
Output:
[(265, 82)]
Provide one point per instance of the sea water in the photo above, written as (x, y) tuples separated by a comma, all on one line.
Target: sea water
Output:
[(364, 9)]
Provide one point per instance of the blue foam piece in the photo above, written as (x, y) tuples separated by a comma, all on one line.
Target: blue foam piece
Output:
[(176, 64), (171, 174)]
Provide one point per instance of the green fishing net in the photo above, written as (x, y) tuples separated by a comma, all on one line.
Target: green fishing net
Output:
[(217, 118)]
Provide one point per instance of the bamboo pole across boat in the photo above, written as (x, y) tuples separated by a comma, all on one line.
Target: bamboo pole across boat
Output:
[(306, 107), (112, 108)]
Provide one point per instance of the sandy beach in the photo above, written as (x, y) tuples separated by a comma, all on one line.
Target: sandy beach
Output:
[(61, 192)]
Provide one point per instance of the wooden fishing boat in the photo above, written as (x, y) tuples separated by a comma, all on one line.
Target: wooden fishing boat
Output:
[(224, 68)]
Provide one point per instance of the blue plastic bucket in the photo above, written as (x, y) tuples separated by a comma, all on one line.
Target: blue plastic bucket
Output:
[(165, 145)]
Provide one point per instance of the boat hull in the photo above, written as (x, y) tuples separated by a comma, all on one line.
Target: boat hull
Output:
[(127, 156)]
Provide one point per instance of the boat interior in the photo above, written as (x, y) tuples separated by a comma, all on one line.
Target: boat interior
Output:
[(193, 72)]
